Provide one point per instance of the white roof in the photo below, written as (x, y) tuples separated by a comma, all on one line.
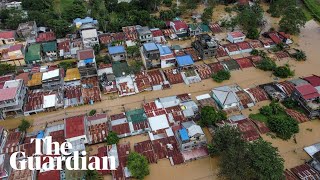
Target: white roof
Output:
[(105, 70), (225, 95), (203, 96), (50, 74), (158, 122), (311, 150), (169, 132), (169, 101), (194, 129), (89, 33), (49, 101)]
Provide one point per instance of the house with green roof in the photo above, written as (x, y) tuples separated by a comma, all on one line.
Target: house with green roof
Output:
[(33, 54), (138, 121), (49, 50), (194, 29), (204, 28)]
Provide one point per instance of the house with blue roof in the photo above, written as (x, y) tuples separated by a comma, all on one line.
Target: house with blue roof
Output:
[(166, 56), (190, 136), (150, 55), (184, 61), (117, 53)]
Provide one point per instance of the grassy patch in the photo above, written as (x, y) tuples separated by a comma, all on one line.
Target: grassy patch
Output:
[(307, 13), (259, 117), (314, 7)]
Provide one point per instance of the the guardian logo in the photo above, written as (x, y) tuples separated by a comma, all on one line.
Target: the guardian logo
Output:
[(62, 153)]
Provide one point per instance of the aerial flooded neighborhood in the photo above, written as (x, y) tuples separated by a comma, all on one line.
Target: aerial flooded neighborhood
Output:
[(159, 89)]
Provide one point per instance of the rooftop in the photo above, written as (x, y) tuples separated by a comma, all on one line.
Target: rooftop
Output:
[(158, 122), (308, 91), (116, 50), (46, 36), (7, 34), (72, 74), (35, 80), (150, 46), (50, 74), (184, 134), (185, 60), (33, 53), (314, 80), (85, 54), (236, 34), (49, 46), (74, 126), (225, 95)]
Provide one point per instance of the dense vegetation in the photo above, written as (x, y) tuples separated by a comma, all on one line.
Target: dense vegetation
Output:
[(6, 69), (210, 116), (292, 17), (221, 76), (277, 120), (138, 165), (283, 71), (112, 138), (242, 160)]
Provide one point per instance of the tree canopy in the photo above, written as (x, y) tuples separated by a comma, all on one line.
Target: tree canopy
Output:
[(92, 175), (112, 138), (6, 69), (138, 165), (267, 64), (283, 71), (243, 160), (221, 76), (285, 127), (292, 20), (24, 125), (210, 116)]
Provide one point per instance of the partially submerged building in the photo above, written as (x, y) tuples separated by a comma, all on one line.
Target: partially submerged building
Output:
[(205, 45), (190, 136), (150, 55)]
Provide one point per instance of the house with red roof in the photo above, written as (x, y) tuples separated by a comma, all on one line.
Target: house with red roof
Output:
[(180, 28), (236, 36), (46, 36), (75, 129), (314, 80), (309, 98), (7, 37), (11, 98), (12, 54)]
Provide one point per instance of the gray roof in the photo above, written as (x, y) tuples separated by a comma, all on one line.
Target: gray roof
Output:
[(143, 30), (298, 82), (169, 101), (225, 95)]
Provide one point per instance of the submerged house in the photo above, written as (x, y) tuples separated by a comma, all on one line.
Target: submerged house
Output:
[(226, 98), (206, 46), (190, 136), (150, 55), (235, 37), (180, 28)]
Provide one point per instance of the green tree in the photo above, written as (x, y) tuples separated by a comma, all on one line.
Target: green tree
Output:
[(283, 71), (76, 10), (133, 51), (283, 126), (7, 69), (92, 175), (300, 55), (250, 19), (273, 108), (24, 125), (167, 3), (13, 18), (292, 20), (138, 165), (253, 33), (266, 160), (207, 15), (221, 76), (112, 138), (210, 116), (92, 112), (267, 64), (37, 5), (59, 26), (224, 138)]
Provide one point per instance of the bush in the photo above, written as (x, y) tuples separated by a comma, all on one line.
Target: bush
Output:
[(221, 76), (112, 138), (6, 69), (300, 55), (283, 71), (92, 112), (283, 126), (267, 64), (253, 33), (209, 116)]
